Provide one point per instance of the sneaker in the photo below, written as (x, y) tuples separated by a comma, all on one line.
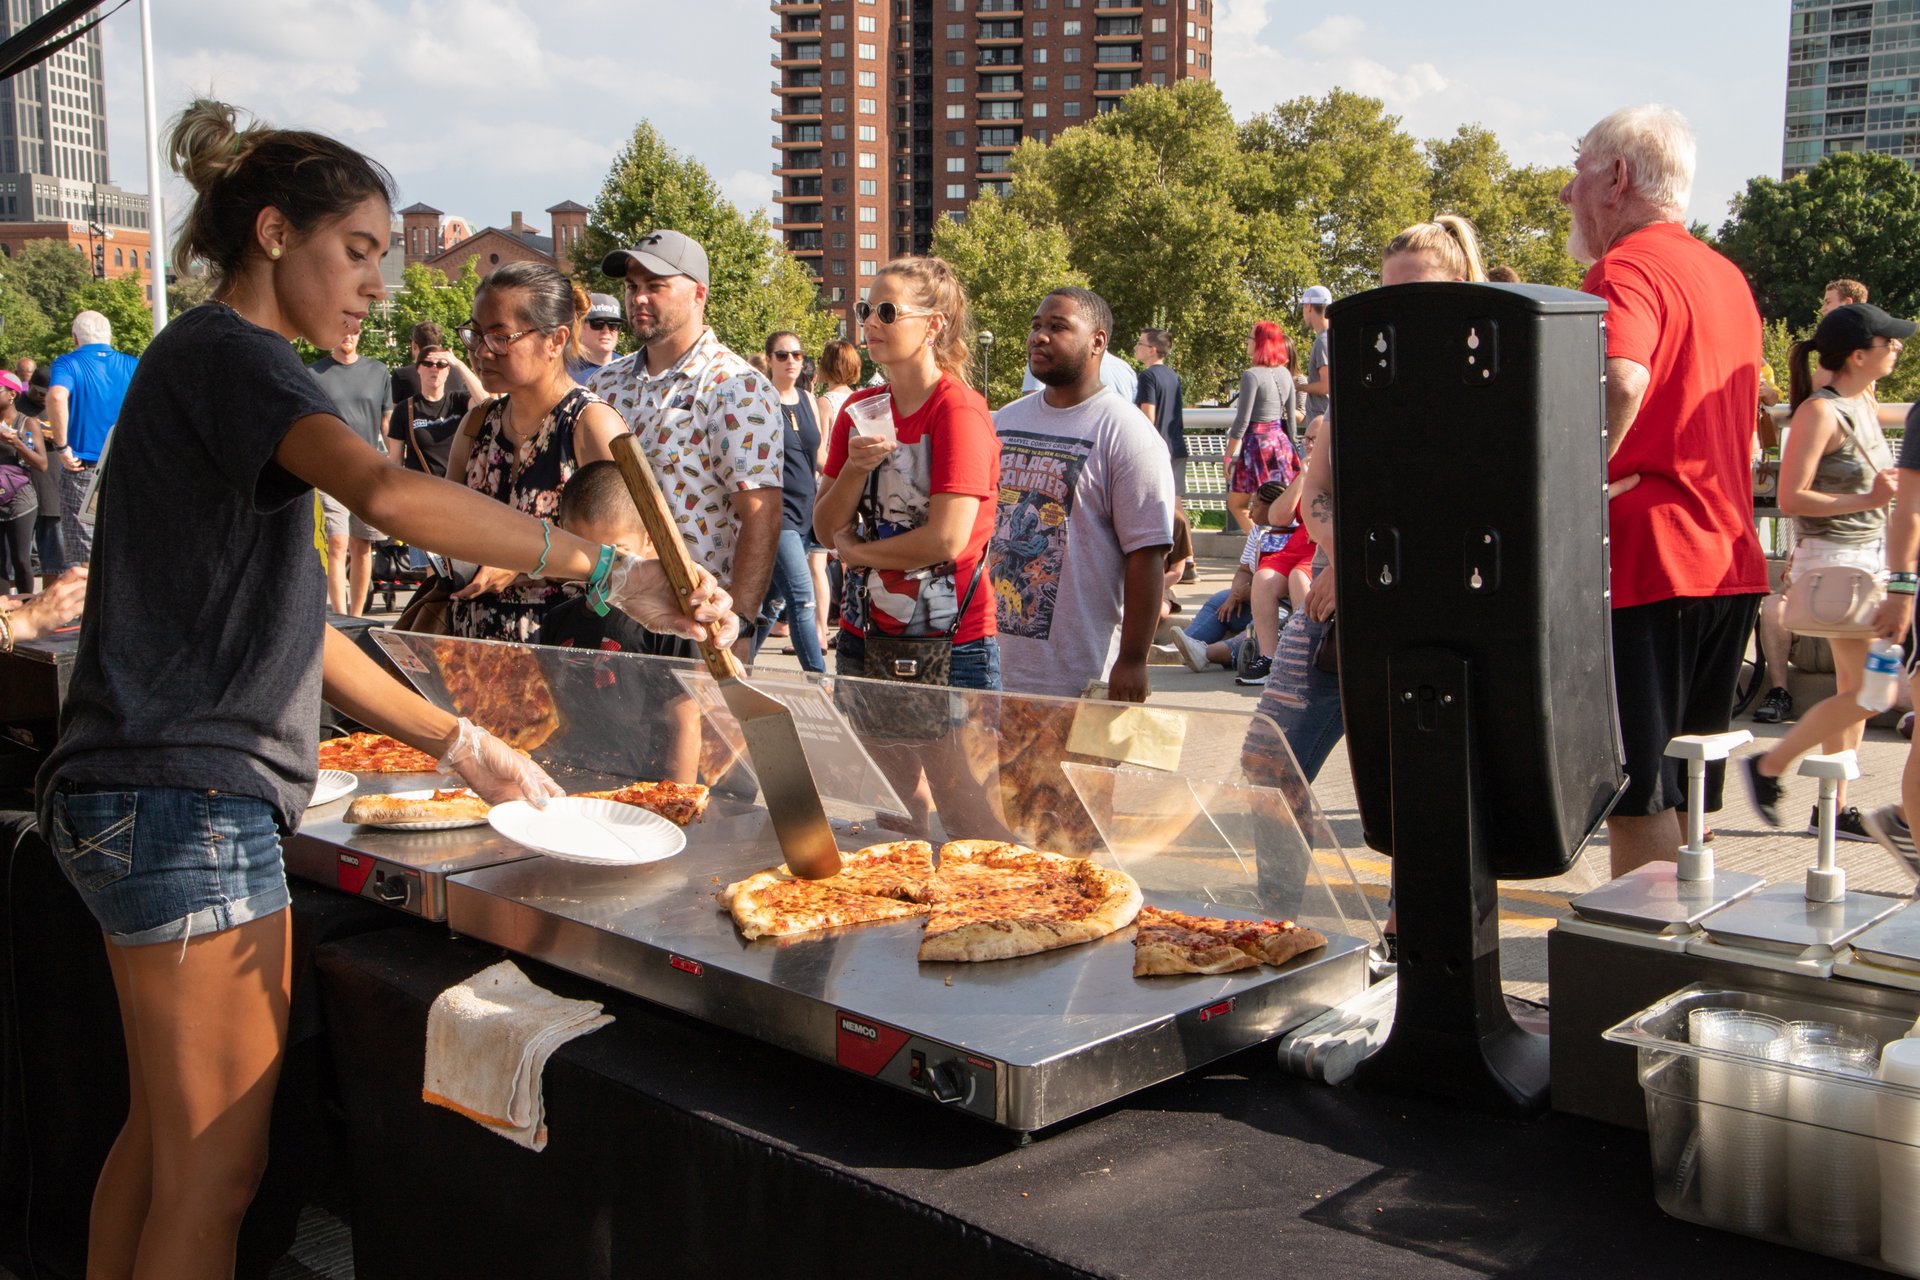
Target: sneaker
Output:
[(1190, 573), (1887, 826), (1775, 707), (1848, 824), (1255, 671), (1765, 792), (1191, 651)]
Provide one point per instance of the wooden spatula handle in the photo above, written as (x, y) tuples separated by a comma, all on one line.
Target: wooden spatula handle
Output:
[(667, 544)]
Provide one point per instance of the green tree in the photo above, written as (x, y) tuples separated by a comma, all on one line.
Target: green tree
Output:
[(755, 286), (189, 291), (1147, 197), (123, 301), (1349, 165), (23, 327), (425, 294), (1854, 214), (1516, 211), (1007, 264), (52, 272)]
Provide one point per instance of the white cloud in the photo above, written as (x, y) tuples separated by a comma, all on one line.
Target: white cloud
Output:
[(749, 189), (1334, 35)]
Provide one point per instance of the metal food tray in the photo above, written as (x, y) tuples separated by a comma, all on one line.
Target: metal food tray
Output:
[(1023, 1043)]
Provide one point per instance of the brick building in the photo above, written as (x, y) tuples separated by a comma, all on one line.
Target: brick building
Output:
[(891, 118), (122, 251), (446, 243)]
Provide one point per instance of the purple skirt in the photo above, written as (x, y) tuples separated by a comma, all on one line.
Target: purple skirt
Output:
[(1266, 453)]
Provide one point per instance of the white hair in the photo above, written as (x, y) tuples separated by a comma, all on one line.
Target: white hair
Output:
[(90, 328), (1658, 145)]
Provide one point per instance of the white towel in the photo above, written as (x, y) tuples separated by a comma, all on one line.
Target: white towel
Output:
[(488, 1041)]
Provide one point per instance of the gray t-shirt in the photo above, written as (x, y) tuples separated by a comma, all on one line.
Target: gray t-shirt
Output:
[(208, 678), (362, 394), (1080, 489), (1316, 361)]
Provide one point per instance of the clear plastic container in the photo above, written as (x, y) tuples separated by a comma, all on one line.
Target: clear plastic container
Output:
[(1851, 1140)]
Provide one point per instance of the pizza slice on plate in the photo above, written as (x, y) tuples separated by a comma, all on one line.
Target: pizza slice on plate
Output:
[(1175, 942), (456, 805)]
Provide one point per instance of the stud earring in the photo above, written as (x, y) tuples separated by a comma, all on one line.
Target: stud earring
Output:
[(274, 253)]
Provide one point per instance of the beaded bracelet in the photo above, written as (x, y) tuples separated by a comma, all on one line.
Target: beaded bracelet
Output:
[(597, 584), (546, 532), (1903, 577)]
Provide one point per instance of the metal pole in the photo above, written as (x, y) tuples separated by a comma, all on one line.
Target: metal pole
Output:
[(156, 208)]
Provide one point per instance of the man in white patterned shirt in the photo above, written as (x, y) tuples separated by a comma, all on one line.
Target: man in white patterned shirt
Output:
[(708, 422)]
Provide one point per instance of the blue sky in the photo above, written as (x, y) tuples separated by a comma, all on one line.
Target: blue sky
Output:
[(481, 107)]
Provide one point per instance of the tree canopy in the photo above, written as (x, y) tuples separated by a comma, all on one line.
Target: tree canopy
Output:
[(1011, 263), (756, 286)]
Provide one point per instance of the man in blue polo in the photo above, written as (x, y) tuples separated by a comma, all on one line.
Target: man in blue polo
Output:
[(83, 402)]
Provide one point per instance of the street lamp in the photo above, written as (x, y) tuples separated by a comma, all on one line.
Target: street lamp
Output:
[(986, 361)]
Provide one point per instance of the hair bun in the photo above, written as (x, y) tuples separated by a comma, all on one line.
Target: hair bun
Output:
[(206, 143)]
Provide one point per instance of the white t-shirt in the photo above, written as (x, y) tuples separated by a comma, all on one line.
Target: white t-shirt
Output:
[(1080, 489)]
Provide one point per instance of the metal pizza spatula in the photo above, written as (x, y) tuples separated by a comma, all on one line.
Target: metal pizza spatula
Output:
[(773, 741)]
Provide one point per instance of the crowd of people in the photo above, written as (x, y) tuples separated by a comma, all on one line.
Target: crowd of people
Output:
[(896, 521)]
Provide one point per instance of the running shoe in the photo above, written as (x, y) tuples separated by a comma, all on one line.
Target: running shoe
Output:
[(1848, 824), (1886, 825), (1765, 792), (1255, 671), (1775, 707), (1191, 651)]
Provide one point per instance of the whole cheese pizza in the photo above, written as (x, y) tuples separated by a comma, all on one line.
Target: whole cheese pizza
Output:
[(456, 805), (678, 802), (1175, 942), (501, 688), (374, 753), (984, 900)]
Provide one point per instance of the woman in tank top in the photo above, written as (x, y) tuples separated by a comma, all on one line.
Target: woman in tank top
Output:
[(1836, 481)]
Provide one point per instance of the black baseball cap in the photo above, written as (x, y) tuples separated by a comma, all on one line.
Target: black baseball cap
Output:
[(664, 253), (1853, 327)]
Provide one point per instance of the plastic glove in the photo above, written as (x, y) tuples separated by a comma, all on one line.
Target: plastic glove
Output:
[(639, 589), (495, 771)]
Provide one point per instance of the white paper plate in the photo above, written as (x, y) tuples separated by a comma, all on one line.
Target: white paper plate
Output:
[(443, 824), (604, 833), (331, 785)]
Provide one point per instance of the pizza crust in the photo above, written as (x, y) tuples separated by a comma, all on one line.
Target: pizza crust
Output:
[(1163, 955), (379, 809), (1004, 939), (1169, 942), (769, 905)]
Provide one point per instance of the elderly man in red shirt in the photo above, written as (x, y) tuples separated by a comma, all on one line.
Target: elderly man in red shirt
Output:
[(1683, 375)]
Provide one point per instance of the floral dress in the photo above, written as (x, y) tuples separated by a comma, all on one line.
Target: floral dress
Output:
[(528, 480)]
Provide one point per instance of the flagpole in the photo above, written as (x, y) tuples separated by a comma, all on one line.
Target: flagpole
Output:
[(156, 211)]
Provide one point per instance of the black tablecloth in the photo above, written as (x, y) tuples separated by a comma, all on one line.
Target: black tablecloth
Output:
[(681, 1150), (63, 1064)]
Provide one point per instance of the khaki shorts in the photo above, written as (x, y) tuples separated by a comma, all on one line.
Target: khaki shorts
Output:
[(342, 523)]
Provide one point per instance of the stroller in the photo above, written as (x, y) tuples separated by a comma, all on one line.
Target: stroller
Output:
[(397, 570)]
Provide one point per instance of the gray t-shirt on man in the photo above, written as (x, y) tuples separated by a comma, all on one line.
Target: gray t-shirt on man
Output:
[(1080, 489), (362, 392), (1316, 361)]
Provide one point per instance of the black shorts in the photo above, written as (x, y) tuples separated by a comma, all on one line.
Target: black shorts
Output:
[(1675, 665)]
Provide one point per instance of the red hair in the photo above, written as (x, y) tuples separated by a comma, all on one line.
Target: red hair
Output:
[(1270, 344)]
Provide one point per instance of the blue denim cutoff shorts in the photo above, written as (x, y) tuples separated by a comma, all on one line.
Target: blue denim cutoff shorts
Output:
[(164, 864)]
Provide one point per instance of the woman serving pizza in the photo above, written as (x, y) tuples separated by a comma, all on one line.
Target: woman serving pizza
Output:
[(187, 749)]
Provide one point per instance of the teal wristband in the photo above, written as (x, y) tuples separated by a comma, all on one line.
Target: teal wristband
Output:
[(597, 584), (1900, 588), (546, 532)]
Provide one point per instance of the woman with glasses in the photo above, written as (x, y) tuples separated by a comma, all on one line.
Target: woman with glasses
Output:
[(186, 751), (792, 581), (423, 424), (522, 448), (1836, 481), (1260, 442)]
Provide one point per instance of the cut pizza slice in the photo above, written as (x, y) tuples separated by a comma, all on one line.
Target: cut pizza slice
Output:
[(455, 805), (902, 870), (680, 803), (769, 905), (374, 753), (996, 901), (1169, 942)]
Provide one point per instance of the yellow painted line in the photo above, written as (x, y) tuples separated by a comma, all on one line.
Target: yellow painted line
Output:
[(1384, 867), (1516, 919)]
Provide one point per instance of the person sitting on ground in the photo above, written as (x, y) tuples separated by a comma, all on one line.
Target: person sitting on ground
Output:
[(1227, 613), (1836, 480), (1281, 581)]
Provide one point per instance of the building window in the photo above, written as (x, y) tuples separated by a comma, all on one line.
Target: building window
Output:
[(868, 79), (1069, 55), (956, 137), (869, 267), (956, 57), (869, 133), (869, 214), (956, 191), (869, 25), (838, 22), (869, 241), (956, 111), (1159, 25), (836, 77), (839, 239), (838, 49), (1037, 55), (869, 107), (868, 52), (1037, 109), (956, 84), (1070, 27), (869, 187), (1070, 82), (868, 160), (1189, 31), (1039, 83), (1189, 57), (1159, 53), (839, 213), (838, 267), (956, 31), (1070, 109)]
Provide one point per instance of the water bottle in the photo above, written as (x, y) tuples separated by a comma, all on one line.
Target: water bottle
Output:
[(1882, 680)]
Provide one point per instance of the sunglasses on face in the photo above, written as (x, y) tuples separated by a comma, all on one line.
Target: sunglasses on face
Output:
[(789, 355), (603, 325), (886, 312), (436, 364)]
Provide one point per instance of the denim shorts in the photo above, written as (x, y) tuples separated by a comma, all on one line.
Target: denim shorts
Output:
[(164, 864)]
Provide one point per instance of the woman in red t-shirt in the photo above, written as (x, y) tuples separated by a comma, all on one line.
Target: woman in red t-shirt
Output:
[(918, 462)]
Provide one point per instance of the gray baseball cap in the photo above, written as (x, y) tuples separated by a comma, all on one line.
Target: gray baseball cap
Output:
[(664, 253), (605, 307), (1317, 296)]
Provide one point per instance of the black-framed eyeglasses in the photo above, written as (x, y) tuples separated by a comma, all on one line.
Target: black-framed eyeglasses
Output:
[(436, 364), (789, 355), (601, 326), (495, 342), (886, 312)]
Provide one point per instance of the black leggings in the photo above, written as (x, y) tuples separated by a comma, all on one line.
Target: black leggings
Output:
[(19, 541)]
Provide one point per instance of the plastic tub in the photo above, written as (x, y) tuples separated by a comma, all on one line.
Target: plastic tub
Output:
[(1808, 1149)]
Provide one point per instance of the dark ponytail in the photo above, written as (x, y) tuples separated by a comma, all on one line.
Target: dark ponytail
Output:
[(1800, 377)]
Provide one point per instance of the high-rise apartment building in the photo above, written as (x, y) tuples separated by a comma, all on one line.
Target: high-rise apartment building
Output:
[(893, 114), (1853, 81), (53, 136)]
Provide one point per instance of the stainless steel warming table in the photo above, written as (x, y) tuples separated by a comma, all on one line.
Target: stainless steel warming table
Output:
[(1204, 808)]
